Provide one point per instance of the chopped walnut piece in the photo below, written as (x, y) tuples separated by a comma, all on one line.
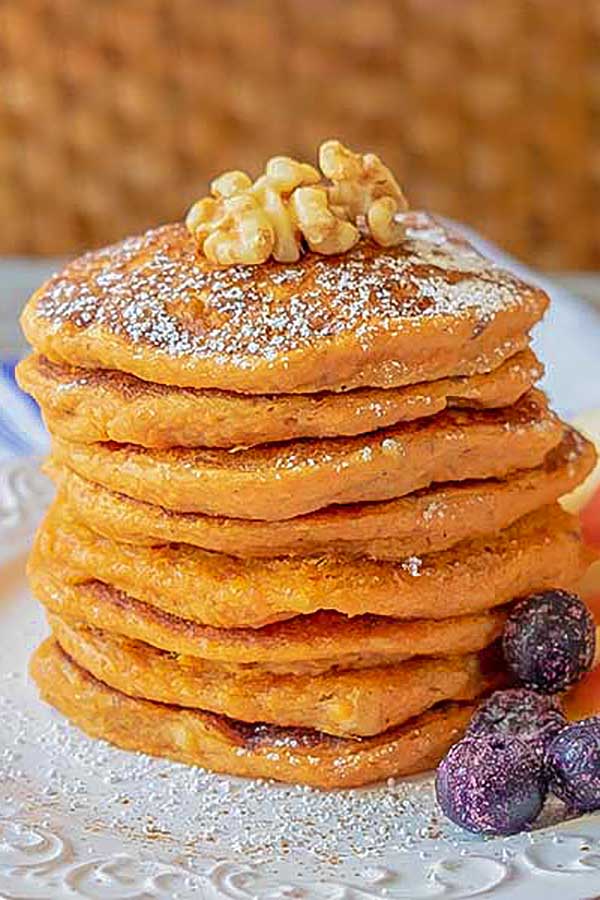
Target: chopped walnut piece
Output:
[(362, 186), (230, 183), (357, 180), (384, 225), (286, 244), (200, 214), (323, 231), (288, 174), (232, 230), (283, 176)]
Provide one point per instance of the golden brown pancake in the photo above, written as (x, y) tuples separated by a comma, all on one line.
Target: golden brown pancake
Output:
[(316, 643), (424, 522), (86, 406), (381, 317), (353, 703), (302, 418), (237, 748), (540, 551), (280, 481)]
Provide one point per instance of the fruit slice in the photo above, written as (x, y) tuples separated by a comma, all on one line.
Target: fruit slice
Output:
[(584, 699), (585, 500), (590, 521), (589, 425)]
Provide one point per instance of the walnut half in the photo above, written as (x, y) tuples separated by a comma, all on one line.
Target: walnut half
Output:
[(323, 231), (362, 186), (231, 230)]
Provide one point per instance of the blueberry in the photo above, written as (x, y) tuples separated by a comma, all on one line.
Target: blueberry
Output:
[(573, 765), (549, 641), (492, 784), (519, 713)]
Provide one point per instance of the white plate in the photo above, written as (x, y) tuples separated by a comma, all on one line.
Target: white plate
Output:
[(80, 819)]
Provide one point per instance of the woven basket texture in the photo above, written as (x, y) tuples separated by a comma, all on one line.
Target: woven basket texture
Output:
[(114, 114)]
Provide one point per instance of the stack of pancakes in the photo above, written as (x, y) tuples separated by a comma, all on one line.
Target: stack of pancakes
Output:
[(295, 501)]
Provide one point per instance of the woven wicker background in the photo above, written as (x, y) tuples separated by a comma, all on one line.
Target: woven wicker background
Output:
[(114, 113)]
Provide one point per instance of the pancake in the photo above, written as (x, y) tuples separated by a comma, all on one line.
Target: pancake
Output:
[(226, 745), (346, 703), (540, 551), (280, 481), (428, 521), (430, 308), (305, 644), (87, 406)]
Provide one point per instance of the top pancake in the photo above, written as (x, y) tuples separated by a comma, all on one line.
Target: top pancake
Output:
[(430, 308)]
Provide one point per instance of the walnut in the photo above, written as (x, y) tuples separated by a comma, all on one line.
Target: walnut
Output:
[(323, 231), (206, 214), (198, 214), (288, 174), (359, 182), (230, 183), (282, 176), (383, 221), (246, 222), (232, 230)]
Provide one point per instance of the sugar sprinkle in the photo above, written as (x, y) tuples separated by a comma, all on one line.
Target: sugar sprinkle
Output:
[(154, 289)]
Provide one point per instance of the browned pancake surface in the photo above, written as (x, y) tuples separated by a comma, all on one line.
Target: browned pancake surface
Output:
[(237, 748), (430, 520), (86, 405), (153, 307)]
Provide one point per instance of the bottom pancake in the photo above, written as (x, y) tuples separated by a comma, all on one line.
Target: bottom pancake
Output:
[(349, 703), (228, 746)]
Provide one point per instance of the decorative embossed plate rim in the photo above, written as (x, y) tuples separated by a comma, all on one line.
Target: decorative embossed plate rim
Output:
[(67, 832)]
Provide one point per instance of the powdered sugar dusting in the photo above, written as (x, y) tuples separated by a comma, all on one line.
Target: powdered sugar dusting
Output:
[(154, 289), (413, 565)]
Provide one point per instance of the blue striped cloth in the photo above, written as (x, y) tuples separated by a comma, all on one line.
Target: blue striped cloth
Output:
[(22, 432)]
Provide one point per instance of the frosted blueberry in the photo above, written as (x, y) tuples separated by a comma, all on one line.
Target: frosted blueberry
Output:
[(492, 784), (520, 713), (573, 765), (549, 641)]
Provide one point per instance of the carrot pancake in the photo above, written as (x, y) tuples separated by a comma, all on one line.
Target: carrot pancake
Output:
[(215, 742), (280, 481), (349, 703), (540, 551), (86, 406), (430, 520), (314, 644), (430, 308)]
